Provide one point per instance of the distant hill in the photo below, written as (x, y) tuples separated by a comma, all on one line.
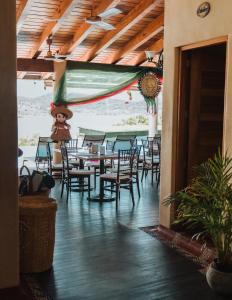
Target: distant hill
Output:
[(111, 106)]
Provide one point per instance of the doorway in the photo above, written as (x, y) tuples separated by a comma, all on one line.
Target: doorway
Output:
[(200, 108)]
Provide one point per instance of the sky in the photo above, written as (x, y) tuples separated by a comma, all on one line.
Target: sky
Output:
[(32, 88)]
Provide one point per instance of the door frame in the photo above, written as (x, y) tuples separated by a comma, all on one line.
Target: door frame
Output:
[(180, 135)]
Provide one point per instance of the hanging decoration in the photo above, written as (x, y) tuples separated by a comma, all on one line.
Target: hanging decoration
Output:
[(150, 85), (75, 79), (60, 128), (129, 96), (78, 83)]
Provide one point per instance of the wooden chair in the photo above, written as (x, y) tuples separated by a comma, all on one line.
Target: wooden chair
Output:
[(123, 178), (135, 169), (122, 144), (55, 170), (126, 137), (93, 139), (42, 154), (72, 146), (109, 145), (151, 161), (72, 149), (68, 175), (90, 140)]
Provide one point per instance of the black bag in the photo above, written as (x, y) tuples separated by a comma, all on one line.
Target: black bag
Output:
[(45, 181), (25, 181), (35, 183)]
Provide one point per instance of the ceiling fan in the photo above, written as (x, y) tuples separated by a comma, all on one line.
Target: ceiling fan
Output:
[(53, 56), (99, 20)]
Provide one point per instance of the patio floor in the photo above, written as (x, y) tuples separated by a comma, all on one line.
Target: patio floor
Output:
[(102, 255)]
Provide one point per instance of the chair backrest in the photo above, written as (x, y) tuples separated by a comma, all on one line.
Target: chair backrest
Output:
[(125, 162), (93, 139), (42, 151), (122, 145), (65, 163), (50, 156), (45, 139), (72, 145), (109, 145), (126, 137), (151, 148), (137, 151)]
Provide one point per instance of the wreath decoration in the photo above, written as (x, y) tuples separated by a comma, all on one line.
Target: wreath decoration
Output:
[(149, 85)]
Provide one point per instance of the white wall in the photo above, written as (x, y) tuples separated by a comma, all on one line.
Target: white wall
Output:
[(184, 27)]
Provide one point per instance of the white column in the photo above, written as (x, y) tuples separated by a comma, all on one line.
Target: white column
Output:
[(152, 124)]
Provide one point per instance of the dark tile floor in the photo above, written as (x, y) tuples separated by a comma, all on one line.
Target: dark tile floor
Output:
[(102, 255)]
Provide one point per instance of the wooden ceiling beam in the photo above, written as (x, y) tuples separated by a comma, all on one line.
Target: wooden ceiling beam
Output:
[(142, 37), (34, 65), (47, 66), (46, 76), (20, 9), (133, 17), (21, 75), (86, 28), (141, 57), (22, 12), (62, 12)]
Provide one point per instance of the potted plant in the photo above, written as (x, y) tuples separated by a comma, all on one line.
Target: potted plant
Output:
[(207, 204)]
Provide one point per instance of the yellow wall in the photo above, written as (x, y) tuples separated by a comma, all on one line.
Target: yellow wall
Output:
[(9, 263), (184, 27)]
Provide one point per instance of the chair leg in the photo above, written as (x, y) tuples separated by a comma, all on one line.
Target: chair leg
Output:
[(95, 177), (82, 187), (137, 182), (89, 186), (112, 187), (142, 175), (132, 193), (158, 180), (67, 188), (117, 194), (146, 172), (62, 189), (152, 175)]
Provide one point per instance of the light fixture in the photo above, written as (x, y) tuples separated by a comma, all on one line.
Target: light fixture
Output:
[(150, 55)]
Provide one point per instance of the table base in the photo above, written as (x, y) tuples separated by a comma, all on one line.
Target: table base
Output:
[(106, 198)]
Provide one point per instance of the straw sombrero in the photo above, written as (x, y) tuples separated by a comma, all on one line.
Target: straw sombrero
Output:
[(61, 109)]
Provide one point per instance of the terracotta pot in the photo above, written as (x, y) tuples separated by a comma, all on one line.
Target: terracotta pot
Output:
[(220, 282)]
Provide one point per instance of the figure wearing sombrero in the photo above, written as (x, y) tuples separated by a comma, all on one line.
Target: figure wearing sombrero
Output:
[(60, 129)]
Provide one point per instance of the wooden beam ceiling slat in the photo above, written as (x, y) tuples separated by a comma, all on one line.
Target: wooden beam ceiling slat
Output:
[(63, 11), (134, 16), (142, 37), (22, 13), (86, 28), (21, 75), (20, 9), (64, 19)]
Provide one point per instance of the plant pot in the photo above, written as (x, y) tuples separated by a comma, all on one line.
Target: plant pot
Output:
[(220, 282)]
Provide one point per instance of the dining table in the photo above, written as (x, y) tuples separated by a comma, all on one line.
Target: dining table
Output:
[(88, 157)]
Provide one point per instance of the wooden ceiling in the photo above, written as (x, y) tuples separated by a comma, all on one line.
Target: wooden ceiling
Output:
[(138, 27)]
